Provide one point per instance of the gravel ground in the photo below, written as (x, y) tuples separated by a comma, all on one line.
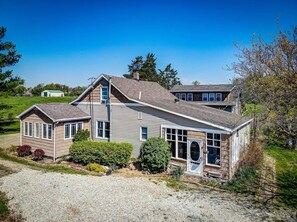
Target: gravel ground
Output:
[(43, 196)]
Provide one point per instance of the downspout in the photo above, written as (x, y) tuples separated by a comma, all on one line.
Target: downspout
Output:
[(21, 133), (54, 142), (110, 110)]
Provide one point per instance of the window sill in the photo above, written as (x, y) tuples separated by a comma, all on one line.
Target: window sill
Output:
[(101, 138), (212, 165), (28, 136), (47, 139), (179, 159)]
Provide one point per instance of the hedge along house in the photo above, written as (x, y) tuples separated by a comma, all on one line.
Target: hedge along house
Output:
[(51, 127), (204, 140)]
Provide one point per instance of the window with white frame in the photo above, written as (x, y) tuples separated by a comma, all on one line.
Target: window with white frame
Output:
[(211, 97), (204, 96), (28, 128), (177, 95), (190, 97), (218, 96), (143, 133), (70, 129), (104, 94), (214, 149), (47, 131), (177, 139), (183, 96), (36, 130), (103, 129)]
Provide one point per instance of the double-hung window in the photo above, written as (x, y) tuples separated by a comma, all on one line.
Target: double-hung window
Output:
[(214, 149), (36, 130), (47, 131), (28, 128), (211, 96), (183, 96), (70, 129), (218, 96), (104, 94), (143, 133), (190, 97), (103, 129), (204, 96)]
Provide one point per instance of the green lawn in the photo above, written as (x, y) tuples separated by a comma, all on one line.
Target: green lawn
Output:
[(286, 174), (12, 106)]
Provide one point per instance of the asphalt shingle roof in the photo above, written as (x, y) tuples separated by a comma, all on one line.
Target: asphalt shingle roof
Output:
[(59, 111), (203, 88), (154, 94)]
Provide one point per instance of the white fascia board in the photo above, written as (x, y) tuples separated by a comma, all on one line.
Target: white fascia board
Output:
[(240, 126), (71, 119), (196, 129), (87, 89)]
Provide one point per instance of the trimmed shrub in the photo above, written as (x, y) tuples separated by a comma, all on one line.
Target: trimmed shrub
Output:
[(104, 153), (154, 155), (95, 167), (24, 150), (176, 172), (38, 154), (81, 135)]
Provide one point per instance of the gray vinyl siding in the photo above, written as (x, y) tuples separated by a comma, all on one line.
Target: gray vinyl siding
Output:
[(125, 126), (100, 112)]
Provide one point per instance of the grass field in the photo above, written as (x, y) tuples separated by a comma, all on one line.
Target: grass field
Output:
[(12, 106), (286, 174)]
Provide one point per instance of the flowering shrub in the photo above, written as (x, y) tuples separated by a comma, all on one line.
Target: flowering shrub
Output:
[(38, 154), (24, 150)]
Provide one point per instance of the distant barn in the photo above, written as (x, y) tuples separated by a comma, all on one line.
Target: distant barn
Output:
[(52, 93)]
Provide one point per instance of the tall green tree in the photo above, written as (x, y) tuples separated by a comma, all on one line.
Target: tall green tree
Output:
[(8, 57), (148, 71), (268, 72)]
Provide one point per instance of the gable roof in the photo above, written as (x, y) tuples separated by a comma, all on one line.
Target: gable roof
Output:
[(53, 91), (153, 95), (58, 112), (203, 88)]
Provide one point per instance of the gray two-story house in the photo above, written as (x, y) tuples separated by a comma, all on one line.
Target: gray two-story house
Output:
[(204, 140)]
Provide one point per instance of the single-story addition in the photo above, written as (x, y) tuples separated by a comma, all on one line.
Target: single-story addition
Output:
[(52, 93), (204, 140)]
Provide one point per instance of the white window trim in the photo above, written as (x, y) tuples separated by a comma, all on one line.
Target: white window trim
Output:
[(181, 95), (188, 97), (206, 162), (214, 97), (28, 135), (103, 100), (206, 96), (35, 136), (176, 142), (47, 124), (140, 133), (221, 96), (177, 95), (103, 138), (70, 129)]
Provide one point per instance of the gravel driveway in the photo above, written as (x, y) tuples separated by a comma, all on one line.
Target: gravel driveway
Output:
[(43, 196)]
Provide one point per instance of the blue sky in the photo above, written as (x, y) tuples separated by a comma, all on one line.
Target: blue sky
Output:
[(69, 41)]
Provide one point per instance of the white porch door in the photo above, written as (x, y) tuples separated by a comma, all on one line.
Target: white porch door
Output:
[(195, 157)]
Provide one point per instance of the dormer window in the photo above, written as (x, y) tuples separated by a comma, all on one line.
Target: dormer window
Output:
[(218, 96), (104, 94), (190, 97), (183, 96), (177, 95), (204, 96), (211, 97)]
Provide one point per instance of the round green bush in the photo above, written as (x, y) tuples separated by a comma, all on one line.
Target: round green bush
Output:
[(154, 155), (81, 135)]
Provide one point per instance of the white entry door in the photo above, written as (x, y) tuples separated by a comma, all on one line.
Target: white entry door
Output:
[(195, 157)]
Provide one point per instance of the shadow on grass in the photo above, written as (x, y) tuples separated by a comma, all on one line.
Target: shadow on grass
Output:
[(9, 126)]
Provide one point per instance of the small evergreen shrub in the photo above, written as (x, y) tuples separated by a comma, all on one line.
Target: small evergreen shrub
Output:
[(81, 135), (95, 167), (104, 153), (38, 154), (176, 172), (154, 155), (24, 150)]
